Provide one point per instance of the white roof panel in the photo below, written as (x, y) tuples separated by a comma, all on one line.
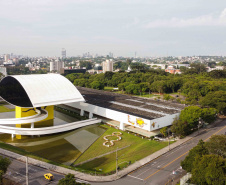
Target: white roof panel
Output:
[(49, 89)]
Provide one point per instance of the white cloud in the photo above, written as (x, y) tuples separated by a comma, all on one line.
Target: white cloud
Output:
[(205, 20)]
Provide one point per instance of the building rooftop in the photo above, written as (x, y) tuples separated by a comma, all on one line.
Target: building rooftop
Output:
[(140, 107)]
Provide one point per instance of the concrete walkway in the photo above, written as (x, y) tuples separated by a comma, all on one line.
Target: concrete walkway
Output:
[(88, 177)]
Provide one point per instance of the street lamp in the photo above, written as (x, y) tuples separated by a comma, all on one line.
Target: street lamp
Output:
[(199, 124), (117, 161), (168, 139)]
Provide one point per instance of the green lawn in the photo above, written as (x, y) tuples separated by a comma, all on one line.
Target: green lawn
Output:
[(138, 149), (5, 109), (108, 88)]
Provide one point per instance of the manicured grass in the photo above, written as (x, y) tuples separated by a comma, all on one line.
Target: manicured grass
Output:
[(5, 109), (108, 88), (25, 153), (146, 95), (138, 149)]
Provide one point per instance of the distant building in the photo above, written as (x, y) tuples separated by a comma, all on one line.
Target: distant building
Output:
[(107, 65), (3, 71), (56, 66), (29, 65), (209, 69), (63, 53), (7, 57), (16, 61), (172, 70), (129, 69), (111, 55)]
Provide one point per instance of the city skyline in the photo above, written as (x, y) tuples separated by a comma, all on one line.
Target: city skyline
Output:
[(149, 28)]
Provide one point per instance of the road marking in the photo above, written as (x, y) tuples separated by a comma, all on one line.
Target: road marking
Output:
[(174, 151), (180, 156), (215, 133), (144, 172), (166, 165), (136, 177), (143, 165), (161, 155)]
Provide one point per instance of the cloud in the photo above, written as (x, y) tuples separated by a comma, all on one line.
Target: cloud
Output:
[(135, 22), (205, 20)]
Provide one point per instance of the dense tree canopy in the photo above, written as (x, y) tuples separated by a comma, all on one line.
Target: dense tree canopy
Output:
[(4, 163), (87, 64), (209, 169), (197, 151), (199, 87), (217, 145), (189, 119), (207, 162)]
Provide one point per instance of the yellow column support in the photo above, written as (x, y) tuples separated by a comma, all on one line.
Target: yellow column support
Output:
[(25, 112)]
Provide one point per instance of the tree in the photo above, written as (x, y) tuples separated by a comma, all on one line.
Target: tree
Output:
[(163, 131), (216, 100), (69, 179), (88, 65), (80, 82), (209, 169), (180, 128), (217, 145), (218, 73), (198, 151), (209, 114), (97, 85), (158, 86), (191, 114), (4, 163), (166, 97), (199, 68), (132, 89)]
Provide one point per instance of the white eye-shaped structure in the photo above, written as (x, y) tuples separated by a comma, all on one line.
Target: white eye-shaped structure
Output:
[(38, 90)]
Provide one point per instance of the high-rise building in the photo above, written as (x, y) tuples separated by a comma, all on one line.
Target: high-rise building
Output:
[(110, 54), (107, 65), (56, 66), (7, 57), (63, 53)]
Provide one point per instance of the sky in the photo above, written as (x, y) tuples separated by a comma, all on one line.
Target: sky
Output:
[(123, 27)]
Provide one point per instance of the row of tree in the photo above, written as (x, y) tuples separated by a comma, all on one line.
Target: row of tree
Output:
[(206, 89), (206, 162), (191, 118)]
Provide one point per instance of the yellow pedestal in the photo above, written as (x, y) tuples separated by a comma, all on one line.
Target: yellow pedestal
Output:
[(25, 112)]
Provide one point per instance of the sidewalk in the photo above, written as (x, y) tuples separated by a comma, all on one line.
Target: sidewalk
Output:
[(91, 178)]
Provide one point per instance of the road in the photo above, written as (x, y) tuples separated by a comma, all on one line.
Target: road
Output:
[(17, 173), (165, 169), (157, 172)]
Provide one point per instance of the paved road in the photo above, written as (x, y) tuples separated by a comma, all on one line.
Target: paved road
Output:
[(17, 173), (164, 169)]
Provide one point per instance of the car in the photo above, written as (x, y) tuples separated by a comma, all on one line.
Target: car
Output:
[(48, 176)]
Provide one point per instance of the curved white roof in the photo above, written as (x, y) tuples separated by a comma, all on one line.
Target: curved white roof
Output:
[(48, 89)]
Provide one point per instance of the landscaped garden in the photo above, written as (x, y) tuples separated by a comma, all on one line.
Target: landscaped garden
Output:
[(134, 148)]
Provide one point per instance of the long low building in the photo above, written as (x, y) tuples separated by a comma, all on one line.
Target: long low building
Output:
[(131, 111)]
